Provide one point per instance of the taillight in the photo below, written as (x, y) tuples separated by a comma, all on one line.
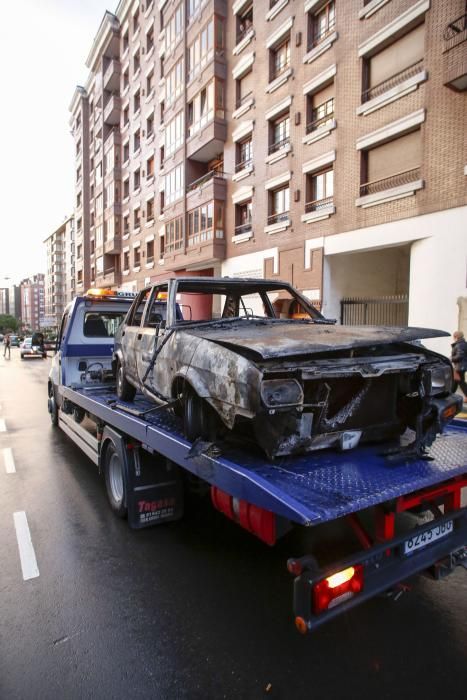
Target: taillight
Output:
[(338, 588)]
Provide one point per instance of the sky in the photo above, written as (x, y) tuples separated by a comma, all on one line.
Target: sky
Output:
[(43, 48)]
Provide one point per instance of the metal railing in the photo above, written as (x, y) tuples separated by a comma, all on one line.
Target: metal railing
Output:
[(277, 218), (243, 164), (318, 38), (377, 311), (458, 26), (318, 204), (387, 183), (241, 34), (243, 228), (277, 145), (205, 178), (391, 82), (279, 70), (241, 100), (316, 123)]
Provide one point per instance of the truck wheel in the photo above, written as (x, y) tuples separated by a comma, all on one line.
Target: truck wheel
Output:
[(125, 390), (78, 414), (53, 408), (114, 481), (199, 418)]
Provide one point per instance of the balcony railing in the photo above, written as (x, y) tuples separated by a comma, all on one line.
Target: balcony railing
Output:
[(243, 228), (243, 164), (241, 100), (454, 29), (205, 178), (318, 204), (393, 81), (316, 123), (241, 34), (172, 246), (387, 183), (279, 70), (277, 145), (277, 218), (203, 236), (318, 38)]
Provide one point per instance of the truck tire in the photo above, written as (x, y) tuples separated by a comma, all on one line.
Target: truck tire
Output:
[(125, 390), (115, 481), (52, 406)]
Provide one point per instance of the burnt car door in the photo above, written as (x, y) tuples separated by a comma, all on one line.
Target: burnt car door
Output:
[(151, 335), (131, 334)]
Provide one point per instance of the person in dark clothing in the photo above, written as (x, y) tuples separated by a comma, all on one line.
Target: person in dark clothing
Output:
[(459, 361), (7, 344)]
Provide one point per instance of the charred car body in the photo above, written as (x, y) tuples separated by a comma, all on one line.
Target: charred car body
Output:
[(254, 356)]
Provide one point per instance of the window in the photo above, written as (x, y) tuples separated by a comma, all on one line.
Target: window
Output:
[(244, 21), (150, 83), (136, 257), (137, 101), (78, 174), (320, 108), (279, 132), (174, 83), (102, 324), (150, 209), (136, 63), (205, 223), (279, 205), (150, 126), (149, 252), (79, 251), (136, 21), (136, 218), (126, 116), (125, 41), (110, 194), (92, 246), (394, 64), (280, 59), (174, 187), (244, 89), (174, 235), (109, 160), (99, 173), (244, 154), (243, 217), (150, 167), (150, 39), (126, 79), (204, 105), (136, 140), (321, 24), (201, 51), (137, 179), (193, 7), (78, 199), (392, 164), (126, 188), (174, 134), (319, 190), (99, 204), (126, 260), (126, 225), (126, 151), (174, 29)]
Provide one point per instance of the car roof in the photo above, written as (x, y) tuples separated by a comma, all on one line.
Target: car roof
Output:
[(219, 285)]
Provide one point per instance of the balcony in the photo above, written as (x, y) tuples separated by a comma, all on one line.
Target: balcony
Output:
[(211, 186), (109, 277), (392, 82), (206, 248), (112, 110), (113, 245), (112, 76), (455, 55), (206, 138), (388, 183), (279, 218)]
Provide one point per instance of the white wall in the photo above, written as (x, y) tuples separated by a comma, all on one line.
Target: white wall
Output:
[(249, 265)]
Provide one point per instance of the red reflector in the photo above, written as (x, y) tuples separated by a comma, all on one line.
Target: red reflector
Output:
[(258, 521), (338, 588)]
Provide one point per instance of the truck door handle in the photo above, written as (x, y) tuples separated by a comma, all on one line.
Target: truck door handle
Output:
[(146, 356), (139, 336)]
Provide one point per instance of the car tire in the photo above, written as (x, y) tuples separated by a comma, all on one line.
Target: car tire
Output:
[(125, 390), (199, 419), (53, 408), (115, 480)]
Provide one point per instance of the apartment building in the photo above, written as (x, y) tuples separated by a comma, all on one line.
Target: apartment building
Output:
[(33, 301), (60, 277), (321, 142)]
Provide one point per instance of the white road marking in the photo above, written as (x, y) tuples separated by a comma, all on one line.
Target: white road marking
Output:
[(2, 426), (26, 550), (8, 460)]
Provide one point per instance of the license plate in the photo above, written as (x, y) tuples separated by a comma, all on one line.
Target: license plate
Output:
[(428, 537)]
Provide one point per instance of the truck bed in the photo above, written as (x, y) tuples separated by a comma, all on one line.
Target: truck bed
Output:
[(309, 489)]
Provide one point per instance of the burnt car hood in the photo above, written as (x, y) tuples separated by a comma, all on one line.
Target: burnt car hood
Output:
[(275, 339)]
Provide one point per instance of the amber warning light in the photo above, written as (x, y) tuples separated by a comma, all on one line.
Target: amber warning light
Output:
[(338, 588)]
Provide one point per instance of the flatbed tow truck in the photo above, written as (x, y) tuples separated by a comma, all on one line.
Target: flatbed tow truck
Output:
[(141, 450)]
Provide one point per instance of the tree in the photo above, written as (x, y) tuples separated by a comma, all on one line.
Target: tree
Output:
[(8, 323)]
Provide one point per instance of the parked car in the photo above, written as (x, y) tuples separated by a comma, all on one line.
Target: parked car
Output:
[(50, 343), (28, 350), (14, 341), (255, 357)]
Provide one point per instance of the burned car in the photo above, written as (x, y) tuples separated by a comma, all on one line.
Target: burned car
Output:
[(254, 357)]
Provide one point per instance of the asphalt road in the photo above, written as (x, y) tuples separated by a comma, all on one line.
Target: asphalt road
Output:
[(193, 609)]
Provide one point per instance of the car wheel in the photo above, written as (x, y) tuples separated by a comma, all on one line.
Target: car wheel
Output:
[(53, 408), (115, 481), (199, 419), (22, 356), (125, 390)]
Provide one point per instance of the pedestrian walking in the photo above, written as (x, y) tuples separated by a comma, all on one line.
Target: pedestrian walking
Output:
[(7, 345), (459, 361)]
